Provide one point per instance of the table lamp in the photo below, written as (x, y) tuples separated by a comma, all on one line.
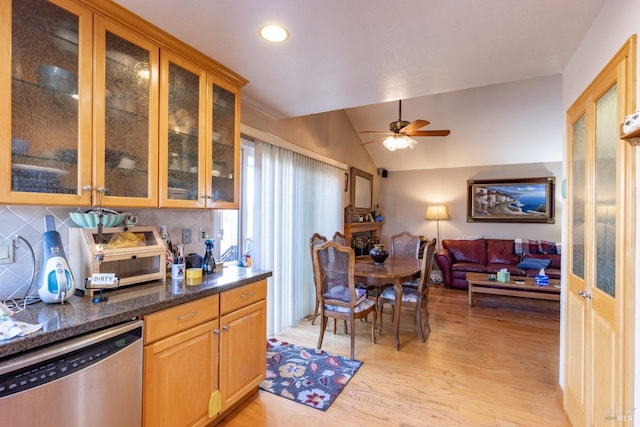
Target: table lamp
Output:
[(437, 214)]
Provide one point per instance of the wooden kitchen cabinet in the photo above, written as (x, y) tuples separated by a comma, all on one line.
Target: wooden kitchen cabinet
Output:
[(203, 357), (242, 341), (126, 90), (98, 132), (45, 102), (183, 165), (180, 366), (199, 140), (223, 135)]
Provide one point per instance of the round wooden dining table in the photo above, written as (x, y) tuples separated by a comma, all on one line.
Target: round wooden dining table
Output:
[(395, 271)]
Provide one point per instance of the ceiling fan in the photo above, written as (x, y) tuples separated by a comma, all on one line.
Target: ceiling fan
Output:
[(401, 131)]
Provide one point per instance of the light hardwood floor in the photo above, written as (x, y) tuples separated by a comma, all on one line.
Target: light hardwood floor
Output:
[(493, 364)]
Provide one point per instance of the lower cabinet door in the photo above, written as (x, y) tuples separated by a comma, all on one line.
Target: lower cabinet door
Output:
[(180, 375), (242, 352)]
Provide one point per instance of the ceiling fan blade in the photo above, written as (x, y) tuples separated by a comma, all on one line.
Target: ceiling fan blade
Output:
[(374, 140), (412, 127), (429, 133), (379, 132)]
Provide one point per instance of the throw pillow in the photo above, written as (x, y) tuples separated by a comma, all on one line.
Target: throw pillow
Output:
[(546, 247), (534, 263)]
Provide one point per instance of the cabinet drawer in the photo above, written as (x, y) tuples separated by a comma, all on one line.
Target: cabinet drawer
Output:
[(175, 319), (242, 296)]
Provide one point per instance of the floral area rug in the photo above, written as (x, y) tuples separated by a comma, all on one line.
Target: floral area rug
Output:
[(308, 376)]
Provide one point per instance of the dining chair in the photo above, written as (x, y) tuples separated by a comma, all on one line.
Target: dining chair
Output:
[(333, 266), (405, 245), (316, 239), (340, 238), (416, 294)]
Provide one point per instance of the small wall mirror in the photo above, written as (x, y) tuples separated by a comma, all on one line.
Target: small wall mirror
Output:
[(361, 191)]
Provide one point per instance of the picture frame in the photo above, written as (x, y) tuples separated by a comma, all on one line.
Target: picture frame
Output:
[(361, 191), (523, 200)]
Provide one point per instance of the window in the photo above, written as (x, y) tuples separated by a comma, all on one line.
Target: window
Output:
[(285, 197)]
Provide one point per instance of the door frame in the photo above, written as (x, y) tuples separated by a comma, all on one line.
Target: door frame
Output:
[(625, 236)]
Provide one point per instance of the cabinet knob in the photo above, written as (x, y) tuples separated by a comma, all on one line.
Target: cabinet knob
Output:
[(87, 187), (216, 331), (225, 327)]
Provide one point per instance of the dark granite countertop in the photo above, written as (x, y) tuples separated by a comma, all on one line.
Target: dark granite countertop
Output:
[(79, 315)]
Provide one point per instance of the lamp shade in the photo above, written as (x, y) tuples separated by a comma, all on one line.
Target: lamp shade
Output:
[(437, 213)]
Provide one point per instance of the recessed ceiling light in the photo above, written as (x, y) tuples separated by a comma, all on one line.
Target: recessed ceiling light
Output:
[(274, 33)]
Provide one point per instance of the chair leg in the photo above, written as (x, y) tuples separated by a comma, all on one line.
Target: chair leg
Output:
[(315, 312), (323, 325), (419, 321), (373, 326), (353, 334), (379, 309), (426, 315)]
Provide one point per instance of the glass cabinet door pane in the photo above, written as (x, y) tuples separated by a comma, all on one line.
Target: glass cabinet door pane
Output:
[(606, 142), (224, 145), (44, 113), (127, 91), (183, 160), (578, 152)]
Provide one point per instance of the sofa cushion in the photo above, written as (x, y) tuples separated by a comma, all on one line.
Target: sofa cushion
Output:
[(501, 252), (556, 259), (469, 266), (529, 263), (473, 251)]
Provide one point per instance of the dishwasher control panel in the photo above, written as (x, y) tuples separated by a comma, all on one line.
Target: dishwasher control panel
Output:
[(58, 367)]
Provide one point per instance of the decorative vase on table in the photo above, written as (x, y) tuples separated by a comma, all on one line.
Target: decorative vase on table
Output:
[(379, 254)]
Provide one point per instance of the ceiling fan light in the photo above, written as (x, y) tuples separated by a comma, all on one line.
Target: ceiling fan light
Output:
[(399, 142)]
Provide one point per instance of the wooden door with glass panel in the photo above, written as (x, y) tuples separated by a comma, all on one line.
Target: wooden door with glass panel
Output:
[(125, 153), (183, 107), (223, 147), (45, 101), (597, 381)]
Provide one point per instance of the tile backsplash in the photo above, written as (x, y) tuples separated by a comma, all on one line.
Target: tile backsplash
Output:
[(28, 223)]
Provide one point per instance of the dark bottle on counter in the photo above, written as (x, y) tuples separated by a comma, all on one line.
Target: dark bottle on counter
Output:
[(209, 263)]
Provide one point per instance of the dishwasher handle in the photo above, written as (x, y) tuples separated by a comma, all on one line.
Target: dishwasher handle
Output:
[(62, 348)]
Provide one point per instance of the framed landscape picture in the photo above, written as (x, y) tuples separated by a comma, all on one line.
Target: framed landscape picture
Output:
[(511, 200)]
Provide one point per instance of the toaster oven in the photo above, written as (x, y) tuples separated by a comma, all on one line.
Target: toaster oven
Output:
[(135, 255)]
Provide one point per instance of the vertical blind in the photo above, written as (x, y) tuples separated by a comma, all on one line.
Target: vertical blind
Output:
[(299, 196)]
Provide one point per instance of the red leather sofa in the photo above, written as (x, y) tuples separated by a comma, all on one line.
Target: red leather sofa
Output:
[(458, 257)]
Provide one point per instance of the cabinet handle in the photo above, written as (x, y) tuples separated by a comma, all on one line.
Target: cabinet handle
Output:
[(225, 327), (216, 331), (188, 316), (247, 295), (87, 187)]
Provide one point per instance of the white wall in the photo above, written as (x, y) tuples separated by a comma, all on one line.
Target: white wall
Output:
[(617, 21), (509, 123), (405, 196)]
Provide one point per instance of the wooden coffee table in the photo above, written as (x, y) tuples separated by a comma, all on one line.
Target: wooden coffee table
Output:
[(479, 283)]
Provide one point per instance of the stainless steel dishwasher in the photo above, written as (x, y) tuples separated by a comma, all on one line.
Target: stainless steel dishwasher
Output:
[(92, 380)]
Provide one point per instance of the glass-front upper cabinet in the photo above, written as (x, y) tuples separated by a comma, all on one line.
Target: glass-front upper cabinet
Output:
[(224, 145), (125, 116), (182, 133), (46, 81)]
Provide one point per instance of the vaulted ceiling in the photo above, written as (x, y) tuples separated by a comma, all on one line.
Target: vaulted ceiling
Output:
[(347, 54)]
